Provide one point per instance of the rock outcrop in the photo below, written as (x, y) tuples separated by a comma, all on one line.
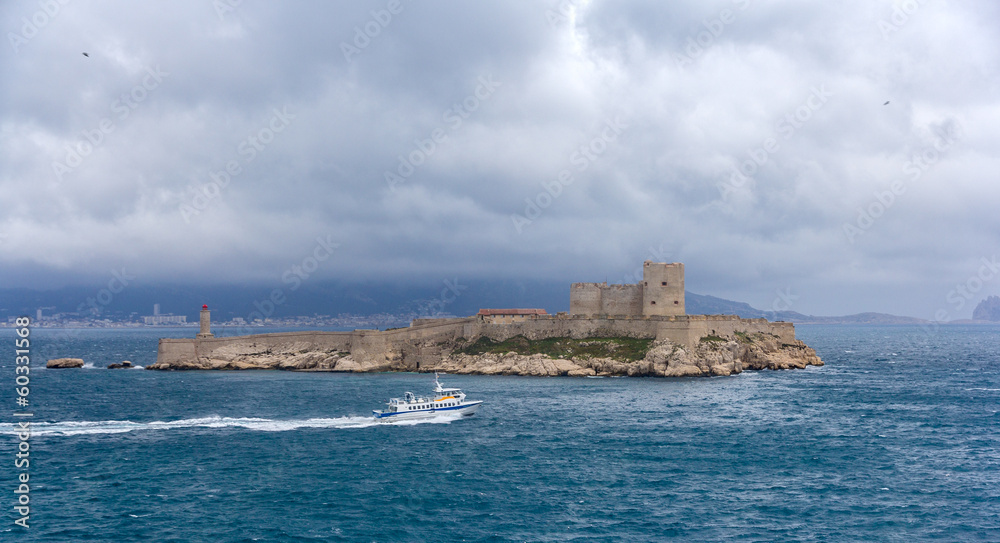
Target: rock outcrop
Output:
[(715, 356), (988, 310), (65, 363), (125, 364), (288, 356), (664, 359)]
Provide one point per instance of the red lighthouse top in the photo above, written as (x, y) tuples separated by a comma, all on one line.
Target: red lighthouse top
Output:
[(204, 306)]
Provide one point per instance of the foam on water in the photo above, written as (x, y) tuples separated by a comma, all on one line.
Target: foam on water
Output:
[(75, 428)]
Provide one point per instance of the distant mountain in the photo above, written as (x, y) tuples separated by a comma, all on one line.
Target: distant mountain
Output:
[(697, 304), (452, 296), (988, 310), (701, 304)]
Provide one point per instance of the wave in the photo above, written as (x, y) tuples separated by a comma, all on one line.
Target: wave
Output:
[(76, 428)]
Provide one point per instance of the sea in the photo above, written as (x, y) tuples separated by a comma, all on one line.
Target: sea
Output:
[(894, 439)]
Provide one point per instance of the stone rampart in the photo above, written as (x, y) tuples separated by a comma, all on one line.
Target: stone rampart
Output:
[(424, 342), (585, 298)]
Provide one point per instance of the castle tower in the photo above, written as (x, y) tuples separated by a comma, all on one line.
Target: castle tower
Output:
[(662, 288), (206, 323)]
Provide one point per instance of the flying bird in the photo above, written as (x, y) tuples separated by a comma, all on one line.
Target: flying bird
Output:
[(886, 103), (85, 54)]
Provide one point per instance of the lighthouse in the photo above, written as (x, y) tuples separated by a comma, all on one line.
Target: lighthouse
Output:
[(206, 323)]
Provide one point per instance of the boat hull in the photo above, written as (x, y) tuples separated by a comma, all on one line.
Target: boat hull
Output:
[(465, 410)]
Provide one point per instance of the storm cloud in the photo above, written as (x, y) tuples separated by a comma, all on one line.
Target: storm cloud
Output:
[(224, 141)]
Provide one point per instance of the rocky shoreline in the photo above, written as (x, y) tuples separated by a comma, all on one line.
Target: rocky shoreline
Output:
[(714, 356)]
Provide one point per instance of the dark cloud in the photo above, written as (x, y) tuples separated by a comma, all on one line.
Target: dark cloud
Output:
[(431, 144)]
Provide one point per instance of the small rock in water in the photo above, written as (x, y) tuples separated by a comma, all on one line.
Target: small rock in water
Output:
[(64, 363)]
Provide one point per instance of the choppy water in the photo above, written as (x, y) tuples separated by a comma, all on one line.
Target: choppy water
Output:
[(895, 439)]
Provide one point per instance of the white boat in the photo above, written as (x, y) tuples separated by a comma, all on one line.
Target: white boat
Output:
[(443, 401)]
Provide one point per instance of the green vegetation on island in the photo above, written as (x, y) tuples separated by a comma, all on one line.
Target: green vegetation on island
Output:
[(618, 348)]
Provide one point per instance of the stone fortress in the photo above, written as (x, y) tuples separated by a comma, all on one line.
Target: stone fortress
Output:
[(652, 309), (661, 293)]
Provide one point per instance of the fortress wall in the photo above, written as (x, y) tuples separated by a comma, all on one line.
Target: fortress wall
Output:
[(372, 345), (661, 293), (172, 351), (176, 350), (685, 330), (410, 348), (663, 289), (437, 322), (699, 326), (621, 300), (585, 299), (784, 330), (578, 328)]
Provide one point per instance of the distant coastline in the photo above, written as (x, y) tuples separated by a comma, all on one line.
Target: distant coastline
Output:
[(396, 321), (57, 317)]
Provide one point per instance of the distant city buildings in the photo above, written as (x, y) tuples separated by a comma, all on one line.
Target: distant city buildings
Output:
[(156, 319), (51, 318)]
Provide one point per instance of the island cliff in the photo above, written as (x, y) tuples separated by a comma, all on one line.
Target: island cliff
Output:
[(690, 345), (988, 310), (632, 330)]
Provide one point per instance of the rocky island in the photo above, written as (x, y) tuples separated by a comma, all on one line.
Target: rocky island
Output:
[(635, 330), (988, 310), (60, 363)]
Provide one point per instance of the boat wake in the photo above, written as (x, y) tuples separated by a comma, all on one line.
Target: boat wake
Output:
[(76, 428)]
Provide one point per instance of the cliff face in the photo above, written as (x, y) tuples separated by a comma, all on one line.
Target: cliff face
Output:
[(714, 356), (988, 310), (664, 359)]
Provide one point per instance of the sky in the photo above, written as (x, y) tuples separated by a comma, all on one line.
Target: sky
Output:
[(827, 158)]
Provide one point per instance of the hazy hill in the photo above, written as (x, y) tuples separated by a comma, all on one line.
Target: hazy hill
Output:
[(451, 296), (710, 305), (988, 310)]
